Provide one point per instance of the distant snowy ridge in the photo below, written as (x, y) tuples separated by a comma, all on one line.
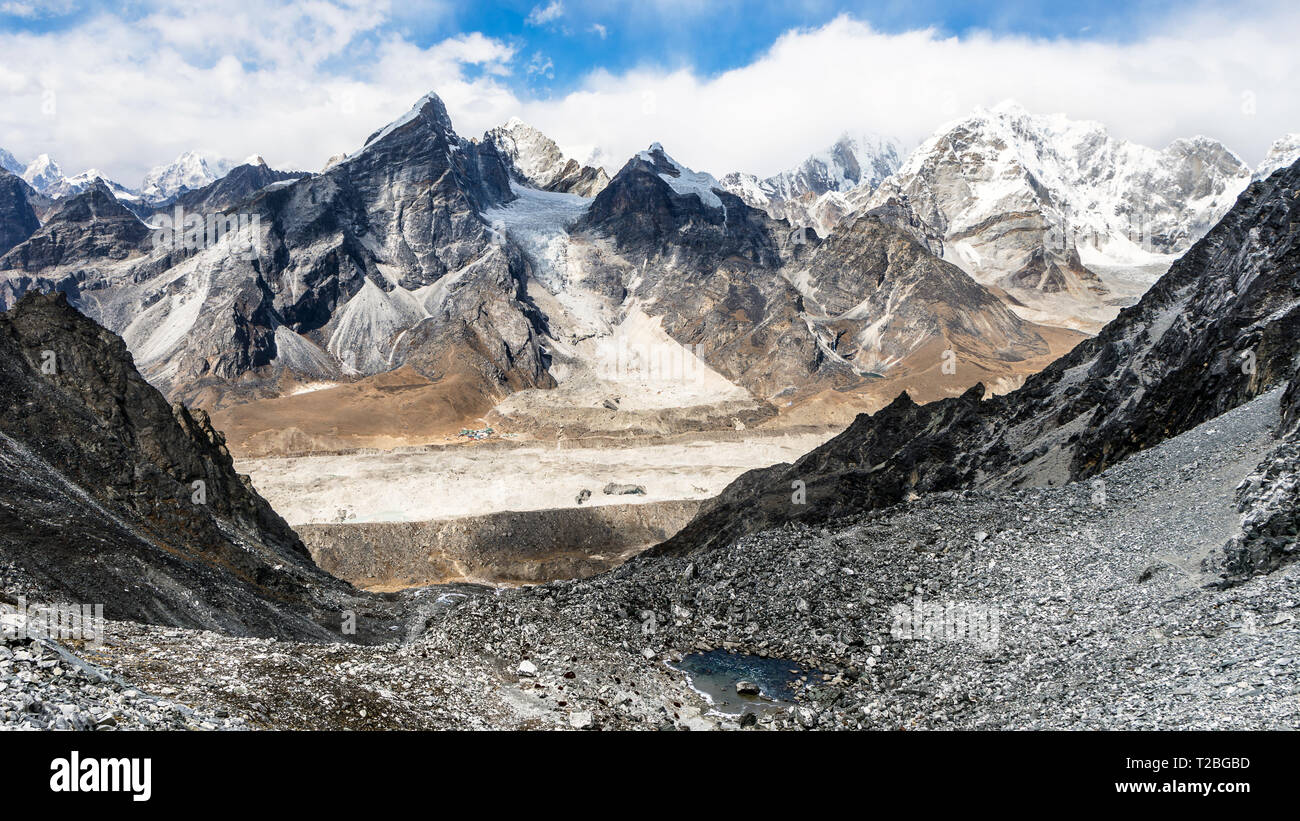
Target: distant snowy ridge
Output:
[(1069, 221), (10, 163), (190, 171), (1282, 154), (813, 193)]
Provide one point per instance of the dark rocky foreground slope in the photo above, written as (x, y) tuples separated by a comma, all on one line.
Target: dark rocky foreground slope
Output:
[(1102, 615), (111, 496), (1221, 327)]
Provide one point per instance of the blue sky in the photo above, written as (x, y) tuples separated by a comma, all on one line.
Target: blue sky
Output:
[(725, 85)]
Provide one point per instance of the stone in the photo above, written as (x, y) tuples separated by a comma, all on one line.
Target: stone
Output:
[(582, 720), (616, 489)]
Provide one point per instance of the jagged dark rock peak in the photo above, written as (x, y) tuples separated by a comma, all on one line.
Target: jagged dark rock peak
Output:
[(1221, 327), (17, 217), (234, 188), (708, 264), (98, 504), (326, 279), (655, 207), (93, 225)]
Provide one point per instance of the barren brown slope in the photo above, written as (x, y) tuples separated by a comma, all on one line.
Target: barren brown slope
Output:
[(401, 407)]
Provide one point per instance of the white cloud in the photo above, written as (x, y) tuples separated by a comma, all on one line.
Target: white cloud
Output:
[(541, 15), (599, 30), (300, 83), (124, 97), (1195, 77), (541, 65)]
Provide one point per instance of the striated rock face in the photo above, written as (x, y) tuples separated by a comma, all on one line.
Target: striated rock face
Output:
[(323, 277), (1218, 329), (537, 161), (92, 226), (101, 505), (17, 218)]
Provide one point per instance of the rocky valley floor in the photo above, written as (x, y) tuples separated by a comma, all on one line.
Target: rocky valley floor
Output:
[(1088, 604)]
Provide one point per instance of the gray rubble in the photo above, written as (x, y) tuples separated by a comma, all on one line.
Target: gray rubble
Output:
[(1103, 598)]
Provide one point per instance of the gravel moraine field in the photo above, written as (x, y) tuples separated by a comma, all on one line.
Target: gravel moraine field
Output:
[(1099, 594)]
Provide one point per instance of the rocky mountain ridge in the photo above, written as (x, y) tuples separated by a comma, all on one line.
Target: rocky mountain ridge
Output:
[(448, 257), (481, 269), (1218, 329)]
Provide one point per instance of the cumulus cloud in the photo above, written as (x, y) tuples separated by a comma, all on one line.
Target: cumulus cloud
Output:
[(1225, 76), (126, 96), (298, 83)]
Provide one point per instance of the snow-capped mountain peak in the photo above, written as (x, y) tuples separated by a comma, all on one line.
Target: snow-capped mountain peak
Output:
[(539, 162), (681, 179), (42, 173), (1047, 208), (1284, 151), (852, 160), (71, 186), (189, 171), (10, 163)]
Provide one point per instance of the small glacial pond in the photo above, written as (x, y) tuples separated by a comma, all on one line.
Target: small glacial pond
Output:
[(714, 674)]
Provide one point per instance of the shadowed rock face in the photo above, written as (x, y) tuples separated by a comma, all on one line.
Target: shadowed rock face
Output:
[(17, 218), (647, 217), (234, 188), (1221, 327), (709, 265), (880, 293), (100, 502), (90, 226)]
